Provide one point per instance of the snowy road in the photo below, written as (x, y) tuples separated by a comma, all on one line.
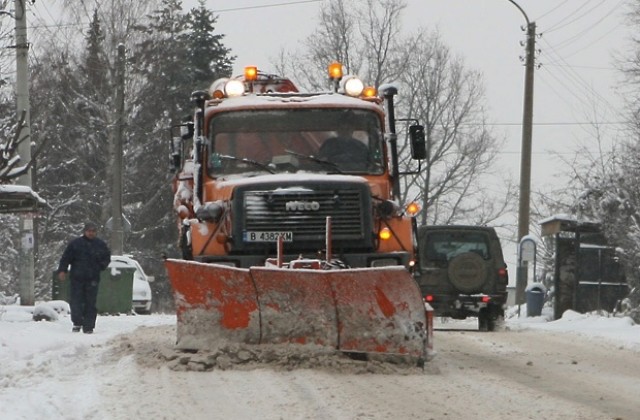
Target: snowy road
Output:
[(502, 375), (518, 373), (537, 374)]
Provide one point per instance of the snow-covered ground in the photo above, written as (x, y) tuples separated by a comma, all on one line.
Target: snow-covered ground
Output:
[(46, 371)]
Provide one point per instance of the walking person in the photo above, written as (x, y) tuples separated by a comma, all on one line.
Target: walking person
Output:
[(87, 255)]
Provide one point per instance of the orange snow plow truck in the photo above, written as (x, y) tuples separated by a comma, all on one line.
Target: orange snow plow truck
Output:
[(290, 226)]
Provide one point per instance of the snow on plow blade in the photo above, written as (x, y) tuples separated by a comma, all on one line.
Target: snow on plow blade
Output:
[(367, 310)]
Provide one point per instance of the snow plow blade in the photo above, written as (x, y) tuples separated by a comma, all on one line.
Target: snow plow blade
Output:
[(365, 310)]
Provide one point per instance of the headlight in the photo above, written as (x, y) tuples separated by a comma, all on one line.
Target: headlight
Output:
[(234, 88), (352, 86), (210, 212), (387, 208)]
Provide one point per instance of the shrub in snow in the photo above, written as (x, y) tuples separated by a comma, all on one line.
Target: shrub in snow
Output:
[(60, 306), (49, 311), (8, 300)]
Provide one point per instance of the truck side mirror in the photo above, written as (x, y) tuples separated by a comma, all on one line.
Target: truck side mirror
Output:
[(177, 143), (186, 130), (418, 143), (176, 153)]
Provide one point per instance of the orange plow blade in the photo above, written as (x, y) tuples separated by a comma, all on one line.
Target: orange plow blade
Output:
[(372, 310), (214, 304), (380, 311)]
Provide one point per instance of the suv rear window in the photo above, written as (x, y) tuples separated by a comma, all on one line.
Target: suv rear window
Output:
[(444, 246)]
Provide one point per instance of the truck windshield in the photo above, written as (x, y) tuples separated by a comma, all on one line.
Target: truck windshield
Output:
[(310, 140)]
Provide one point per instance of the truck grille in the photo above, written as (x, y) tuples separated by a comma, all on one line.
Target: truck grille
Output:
[(304, 213)]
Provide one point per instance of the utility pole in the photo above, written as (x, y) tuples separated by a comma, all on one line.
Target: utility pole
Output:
[(117, 230), (527, 133), (525, 156), (527, 127), (26, 258)]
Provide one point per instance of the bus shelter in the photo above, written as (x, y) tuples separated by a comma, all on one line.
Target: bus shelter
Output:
[(587, 274)]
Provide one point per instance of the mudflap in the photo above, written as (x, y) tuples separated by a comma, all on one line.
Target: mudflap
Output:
[(367, 310)]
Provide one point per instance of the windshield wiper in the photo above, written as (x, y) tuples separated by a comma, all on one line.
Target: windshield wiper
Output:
[(315, 159), (249, 161)]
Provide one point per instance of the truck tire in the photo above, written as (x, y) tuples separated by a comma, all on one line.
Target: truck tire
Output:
[(467, 272)]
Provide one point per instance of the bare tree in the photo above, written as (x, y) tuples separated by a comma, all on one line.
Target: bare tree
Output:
[(604, 187), (7, 41), (448, 100), (365, 46), (383, 56), (10, 165)]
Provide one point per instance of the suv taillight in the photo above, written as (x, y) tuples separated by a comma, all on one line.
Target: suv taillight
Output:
[(502, 272)]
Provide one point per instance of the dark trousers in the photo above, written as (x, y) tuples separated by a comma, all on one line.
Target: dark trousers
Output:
[(84, 294)]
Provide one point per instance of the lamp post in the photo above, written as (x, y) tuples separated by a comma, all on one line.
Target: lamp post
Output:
[(525, 156)]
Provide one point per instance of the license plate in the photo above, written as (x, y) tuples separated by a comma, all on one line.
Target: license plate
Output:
[(252, 236)]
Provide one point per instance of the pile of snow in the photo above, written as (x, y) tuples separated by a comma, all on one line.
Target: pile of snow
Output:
[(620, 330)]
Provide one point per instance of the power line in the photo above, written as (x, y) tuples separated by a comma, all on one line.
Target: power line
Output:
[(574, 77), (551, 11), (577, 66), (561, 24), (560, 123), (580, 35), (235, 9)]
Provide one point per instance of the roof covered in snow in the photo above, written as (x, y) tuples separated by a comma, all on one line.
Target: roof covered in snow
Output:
[(20, 198)]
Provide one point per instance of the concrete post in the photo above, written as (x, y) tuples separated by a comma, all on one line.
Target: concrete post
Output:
[(117, 232), (27, 240)]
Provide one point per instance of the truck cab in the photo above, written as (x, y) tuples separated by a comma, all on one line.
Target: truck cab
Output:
[(267, 163)]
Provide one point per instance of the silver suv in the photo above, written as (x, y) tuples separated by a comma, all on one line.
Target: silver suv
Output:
[(462, 272)]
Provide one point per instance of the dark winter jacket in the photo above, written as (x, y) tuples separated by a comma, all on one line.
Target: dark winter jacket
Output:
[(87, 258)]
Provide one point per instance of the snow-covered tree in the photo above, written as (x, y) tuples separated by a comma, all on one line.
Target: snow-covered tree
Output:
[(76, 113)]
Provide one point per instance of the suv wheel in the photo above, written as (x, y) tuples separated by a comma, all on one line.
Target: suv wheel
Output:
[(467, 272), (490, 318), (483, 320)]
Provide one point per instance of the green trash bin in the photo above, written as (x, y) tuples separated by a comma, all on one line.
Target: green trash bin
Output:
[(114, 293)]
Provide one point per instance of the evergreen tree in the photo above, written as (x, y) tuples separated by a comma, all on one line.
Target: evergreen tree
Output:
[(95, 65), (168, 61), (208, 59), (160, 59)]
